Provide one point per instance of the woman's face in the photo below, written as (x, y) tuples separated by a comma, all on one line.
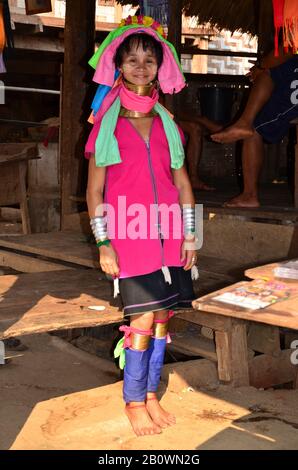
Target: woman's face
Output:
[(139, 67)]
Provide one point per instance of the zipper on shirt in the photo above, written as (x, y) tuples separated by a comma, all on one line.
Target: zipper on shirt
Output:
[(147, 143), (165, 269)]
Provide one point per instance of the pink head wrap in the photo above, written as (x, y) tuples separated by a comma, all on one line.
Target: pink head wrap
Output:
[(169, 75)]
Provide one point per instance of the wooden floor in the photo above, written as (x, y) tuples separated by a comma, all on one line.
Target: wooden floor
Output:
[(39, 302), (273, 197), (70, 247)]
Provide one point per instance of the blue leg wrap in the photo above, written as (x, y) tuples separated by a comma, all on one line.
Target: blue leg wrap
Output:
[(135, 375), (157, 353)]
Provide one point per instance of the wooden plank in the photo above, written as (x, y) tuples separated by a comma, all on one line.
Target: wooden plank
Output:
[(15, 152), (284, 314), (223, 353), (216, 322), (79, 16), (74, 247), (264, 339), (267, 371), (268, 214), (28, 264), (22, 170), (238, 354), (67, 246), (56, 22), (9, 184), (39, 302), (194, 346), (174, 36)]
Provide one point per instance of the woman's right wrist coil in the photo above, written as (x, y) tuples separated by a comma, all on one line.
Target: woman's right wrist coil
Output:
[(99, 228)]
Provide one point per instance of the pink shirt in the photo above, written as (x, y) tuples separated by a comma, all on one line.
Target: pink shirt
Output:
[(144, 177)]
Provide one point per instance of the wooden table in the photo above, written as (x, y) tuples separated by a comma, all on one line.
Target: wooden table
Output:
[(240, 333), (13, 168)]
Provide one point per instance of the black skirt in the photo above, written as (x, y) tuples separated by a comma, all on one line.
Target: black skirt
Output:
[(150, 292)]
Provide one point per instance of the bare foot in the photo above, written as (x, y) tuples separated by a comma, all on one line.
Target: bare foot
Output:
[(201, 186), (159, 416), (140, 420), (240, 130), (243, 200)]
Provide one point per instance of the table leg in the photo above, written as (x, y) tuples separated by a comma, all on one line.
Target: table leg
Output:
[(23, 198), (232, 356)]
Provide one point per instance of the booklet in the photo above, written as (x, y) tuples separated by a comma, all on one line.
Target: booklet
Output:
[(288, 270), (257, 294)]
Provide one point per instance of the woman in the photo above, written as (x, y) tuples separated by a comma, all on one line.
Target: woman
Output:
[(136, 166)]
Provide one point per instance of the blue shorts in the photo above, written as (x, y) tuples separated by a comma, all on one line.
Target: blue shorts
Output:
[(273, 121)]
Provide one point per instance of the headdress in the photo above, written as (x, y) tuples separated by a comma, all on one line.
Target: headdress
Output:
[(106, 104)]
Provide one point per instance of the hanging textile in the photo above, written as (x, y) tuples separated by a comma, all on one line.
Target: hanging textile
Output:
[(2, 39), (7, 24), (278, 16), (157, 9), (291, 25)]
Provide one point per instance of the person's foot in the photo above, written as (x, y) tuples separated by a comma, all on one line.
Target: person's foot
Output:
[(243, 200), (140, 420), (238, 131), (159, 416), (201, 186)]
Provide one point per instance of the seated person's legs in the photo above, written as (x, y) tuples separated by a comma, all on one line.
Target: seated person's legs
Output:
[(243, 128), (194, 152), (271, 124)]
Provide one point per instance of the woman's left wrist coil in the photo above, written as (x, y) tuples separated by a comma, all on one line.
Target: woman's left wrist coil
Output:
[(189, 224)]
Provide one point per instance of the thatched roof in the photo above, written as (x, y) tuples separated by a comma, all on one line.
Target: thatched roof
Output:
[(224, 14)]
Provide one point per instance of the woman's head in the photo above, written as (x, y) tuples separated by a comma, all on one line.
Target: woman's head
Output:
[(139, 58)]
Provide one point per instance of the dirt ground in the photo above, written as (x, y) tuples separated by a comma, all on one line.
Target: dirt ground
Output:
[(55, 396)]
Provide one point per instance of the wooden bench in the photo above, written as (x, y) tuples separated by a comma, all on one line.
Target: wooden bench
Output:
[(13, 168)]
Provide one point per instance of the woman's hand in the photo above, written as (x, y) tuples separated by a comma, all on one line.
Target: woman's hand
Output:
[(108, 260), (189, 253)]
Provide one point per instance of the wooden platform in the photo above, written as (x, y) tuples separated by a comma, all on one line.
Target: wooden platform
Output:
[(39, 302), (71, 247), (75, 248)]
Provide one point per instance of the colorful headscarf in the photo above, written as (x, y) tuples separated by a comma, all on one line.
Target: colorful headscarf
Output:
[(106, 104)]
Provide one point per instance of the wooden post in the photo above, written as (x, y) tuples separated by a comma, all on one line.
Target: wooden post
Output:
[(231, 350), (79, 47), (264, 26), (174, 36)]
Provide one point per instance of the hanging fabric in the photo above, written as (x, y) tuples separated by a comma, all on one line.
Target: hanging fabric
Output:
[(7, 24), (291, 25), (278, 16), (2, 39), (157, 9)]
